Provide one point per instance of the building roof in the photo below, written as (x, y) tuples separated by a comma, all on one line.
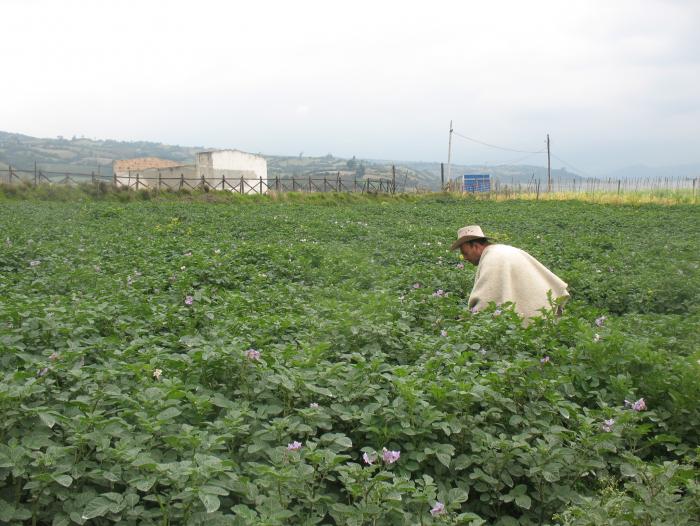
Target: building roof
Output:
[(143, 163)]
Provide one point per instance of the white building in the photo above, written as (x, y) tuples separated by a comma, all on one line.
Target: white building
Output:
[(144, 172), (233, 170)]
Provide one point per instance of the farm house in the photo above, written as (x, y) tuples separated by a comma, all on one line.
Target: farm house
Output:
[(148, 172), (233, 170)]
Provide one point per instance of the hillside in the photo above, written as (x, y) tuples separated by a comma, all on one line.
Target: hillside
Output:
[(87, 155), (79, 154)]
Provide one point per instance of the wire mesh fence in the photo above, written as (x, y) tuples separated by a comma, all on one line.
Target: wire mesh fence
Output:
[(172, 180), (168, 180)]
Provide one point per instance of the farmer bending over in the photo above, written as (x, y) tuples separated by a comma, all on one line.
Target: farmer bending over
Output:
[(507, 273)]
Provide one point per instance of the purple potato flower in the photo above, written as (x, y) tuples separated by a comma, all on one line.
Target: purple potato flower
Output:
[(599, 322), (639, 405), (390, 457), (369, 459), (438, 509), (544, 360), (189, 300), (252, 354), (294, 446), (608, 425)]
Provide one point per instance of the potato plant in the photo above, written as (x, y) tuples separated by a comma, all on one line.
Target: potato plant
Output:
[(314, 362)]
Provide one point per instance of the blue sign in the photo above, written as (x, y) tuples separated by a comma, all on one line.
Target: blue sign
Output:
[(477, 183)]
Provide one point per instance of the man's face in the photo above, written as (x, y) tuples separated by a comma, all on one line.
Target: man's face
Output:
[(471, 253)]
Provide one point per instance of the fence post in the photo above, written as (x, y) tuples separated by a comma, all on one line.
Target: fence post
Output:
[(114, 179), (277, 183), (354, 188), (159, 180), (223, 181), (138, 176), (93, 177), (36, 181), (182, 180), (260, 191), (309, 183), (240, 187), (9, 174)]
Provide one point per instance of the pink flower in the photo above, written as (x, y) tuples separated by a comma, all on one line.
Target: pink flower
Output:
[(443, 333), (294, 446), (369, 459), (416, 285), (460, 266), (497, 312), (390, 456), (54, 356), (544, 360), (474, 310), (639, 405), (252, 354), (189, 300), (42, 372), (439, 293), (438, 509), (600, 321), (608, 425)]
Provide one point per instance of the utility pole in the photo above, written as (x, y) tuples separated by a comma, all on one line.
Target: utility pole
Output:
[(449, 153), (549, 168)]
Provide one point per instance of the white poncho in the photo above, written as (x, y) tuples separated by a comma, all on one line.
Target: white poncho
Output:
[(507, 273)]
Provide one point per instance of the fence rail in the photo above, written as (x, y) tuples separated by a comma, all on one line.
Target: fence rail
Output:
[(591, 186), (338, 183), (242, 185)]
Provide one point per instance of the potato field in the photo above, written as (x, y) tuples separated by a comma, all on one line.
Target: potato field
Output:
[(313, 361)]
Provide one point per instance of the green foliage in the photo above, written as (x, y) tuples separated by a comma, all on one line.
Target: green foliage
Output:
[(130, 393)]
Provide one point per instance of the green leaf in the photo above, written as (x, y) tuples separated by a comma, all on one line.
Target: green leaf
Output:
[(628, 470), (97, 507), (63, 480), (48, 419), (523, 501), (457, 495), (7, 511), (170, 412), (211, 502)]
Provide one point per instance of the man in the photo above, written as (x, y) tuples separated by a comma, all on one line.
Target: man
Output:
[(507, 273)]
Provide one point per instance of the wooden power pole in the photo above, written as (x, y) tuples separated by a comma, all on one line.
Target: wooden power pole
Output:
[(449, 154), (549, 168)]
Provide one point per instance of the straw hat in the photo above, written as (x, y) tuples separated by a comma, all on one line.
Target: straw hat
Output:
[(467, 233)]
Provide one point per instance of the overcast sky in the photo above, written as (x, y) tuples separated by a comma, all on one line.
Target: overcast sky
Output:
[(614, 83)]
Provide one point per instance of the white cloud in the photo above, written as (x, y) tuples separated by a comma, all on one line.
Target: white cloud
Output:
[(611, 81)]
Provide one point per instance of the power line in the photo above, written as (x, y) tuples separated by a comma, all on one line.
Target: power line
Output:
[(513, 161), (493, 145), (573, 167)]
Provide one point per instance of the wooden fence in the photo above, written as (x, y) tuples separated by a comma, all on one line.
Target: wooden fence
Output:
[(242, 185)]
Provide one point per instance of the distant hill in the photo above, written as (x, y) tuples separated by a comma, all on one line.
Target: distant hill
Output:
[(83, 155), (79, 154)]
